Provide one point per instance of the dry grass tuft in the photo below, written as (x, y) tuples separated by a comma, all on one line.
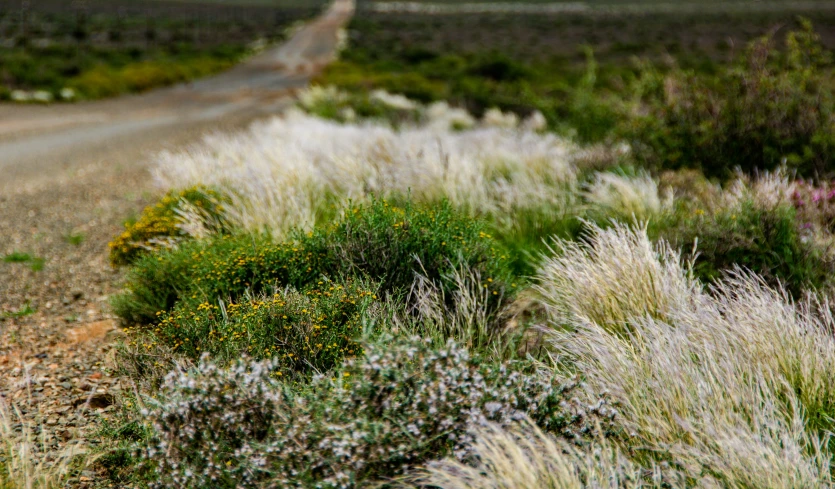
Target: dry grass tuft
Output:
[(628, 199), (612, 277), (524, 458), (21, 466), (281, 173), (735, 385)]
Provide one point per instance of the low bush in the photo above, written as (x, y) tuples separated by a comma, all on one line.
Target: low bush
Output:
[(773, 107), (765, 240), (167, 222), (815, 205), (309, 331), (383, 243), (329, 103), (399, 405)]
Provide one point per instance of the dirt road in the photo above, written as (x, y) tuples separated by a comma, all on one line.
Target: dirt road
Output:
[(69, 176), (33, 139)]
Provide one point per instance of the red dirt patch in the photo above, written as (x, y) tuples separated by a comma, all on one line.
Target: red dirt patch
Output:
[(90, 331)]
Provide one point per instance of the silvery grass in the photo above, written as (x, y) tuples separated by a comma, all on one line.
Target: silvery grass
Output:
[(734, 385), (281, 173), (627, 198), (523, 457)]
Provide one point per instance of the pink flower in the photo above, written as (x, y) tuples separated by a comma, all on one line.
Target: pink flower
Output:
[(817, 196)]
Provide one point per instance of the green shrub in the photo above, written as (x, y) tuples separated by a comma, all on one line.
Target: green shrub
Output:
[(399, 405), (106, 81), (308, 331), (380, 242), (766, 241), (160, 226), (526, 234), (774, 107)]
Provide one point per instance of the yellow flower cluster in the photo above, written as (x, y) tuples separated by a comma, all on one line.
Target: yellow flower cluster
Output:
[(158, 221)]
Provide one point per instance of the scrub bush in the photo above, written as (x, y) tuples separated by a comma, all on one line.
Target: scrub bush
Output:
[(380, 242), (400, 405)]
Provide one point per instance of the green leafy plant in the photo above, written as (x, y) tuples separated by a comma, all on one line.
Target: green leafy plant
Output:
[(775, 107), (74, 239), (385, 244), (17, 257), (766, 241), (26, 310), (36, 263)]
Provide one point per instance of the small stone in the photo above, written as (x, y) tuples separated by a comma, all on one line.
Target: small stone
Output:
[(96, 376)]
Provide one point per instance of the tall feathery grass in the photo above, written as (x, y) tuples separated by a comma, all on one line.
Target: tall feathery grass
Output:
[(282, 173), (734, 385), (523, 457)]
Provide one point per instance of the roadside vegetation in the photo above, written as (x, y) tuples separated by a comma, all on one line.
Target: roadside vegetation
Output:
[(444, 272), (94, 49)]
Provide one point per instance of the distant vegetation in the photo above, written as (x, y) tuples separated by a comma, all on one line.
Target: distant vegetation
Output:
[(55, 50), (668, 83)]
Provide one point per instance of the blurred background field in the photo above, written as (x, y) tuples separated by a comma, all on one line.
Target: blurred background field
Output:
[(52, 50), (565, 64)]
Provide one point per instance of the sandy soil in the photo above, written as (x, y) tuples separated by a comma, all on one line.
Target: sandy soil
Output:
[(70, 176)]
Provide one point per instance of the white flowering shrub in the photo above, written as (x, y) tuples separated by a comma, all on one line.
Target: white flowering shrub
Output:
[(210, 424), (397, 407)]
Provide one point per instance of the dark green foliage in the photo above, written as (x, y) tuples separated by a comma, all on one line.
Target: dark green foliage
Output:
[(522, 63), (385, 244), (765, 241), (774, 107), (36, 263), (17, 257)]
